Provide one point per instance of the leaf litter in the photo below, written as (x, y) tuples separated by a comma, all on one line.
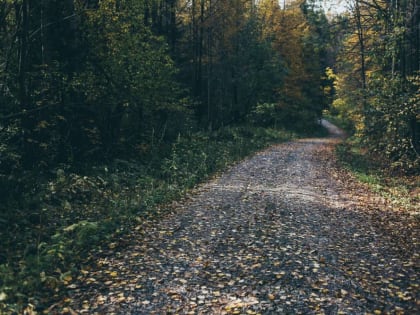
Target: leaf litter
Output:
[(285, 231)]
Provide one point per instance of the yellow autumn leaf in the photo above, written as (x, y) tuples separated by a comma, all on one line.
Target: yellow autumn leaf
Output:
[(3, 296), (43, 124), (85, 305), (343, 292)]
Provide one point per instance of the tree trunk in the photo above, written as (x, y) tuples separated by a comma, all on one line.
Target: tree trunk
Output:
[(361, 38), (23, 21)]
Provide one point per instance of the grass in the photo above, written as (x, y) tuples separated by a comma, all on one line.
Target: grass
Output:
[(402, 191)]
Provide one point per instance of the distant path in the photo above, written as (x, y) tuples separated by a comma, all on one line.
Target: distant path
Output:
[(333, 129), (284, 232)]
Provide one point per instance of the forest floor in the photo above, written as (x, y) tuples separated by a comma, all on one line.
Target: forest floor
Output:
[(286, 231)]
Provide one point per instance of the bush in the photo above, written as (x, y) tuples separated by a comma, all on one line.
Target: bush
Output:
[(265, 115), (392, 124)]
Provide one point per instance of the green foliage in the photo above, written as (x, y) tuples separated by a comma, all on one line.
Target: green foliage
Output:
[(266, 114), (299, 35), (377, 84), (196, 157), (392, 121), (399, 190), (388, 125), (352, 156), (128, 79)]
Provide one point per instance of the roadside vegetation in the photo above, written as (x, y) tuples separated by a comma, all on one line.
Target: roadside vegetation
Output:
[(68, 213), (376, 98), (400, 191)]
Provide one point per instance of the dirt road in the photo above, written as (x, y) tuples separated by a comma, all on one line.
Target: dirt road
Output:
[(283, 232)]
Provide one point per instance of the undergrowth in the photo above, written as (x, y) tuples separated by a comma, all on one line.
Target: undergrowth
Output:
[(400, 190), (47, 234)]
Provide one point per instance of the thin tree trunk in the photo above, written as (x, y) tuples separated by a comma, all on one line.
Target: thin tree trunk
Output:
[(22, 19), (361, 38), (173, 28), (200, 49)]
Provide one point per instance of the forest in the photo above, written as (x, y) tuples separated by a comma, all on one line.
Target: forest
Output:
[(111, 108)]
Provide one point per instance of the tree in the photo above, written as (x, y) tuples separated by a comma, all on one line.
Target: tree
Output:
[(296, 33), (382, 96), (128, 78), (76, 73), (225, 57)]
